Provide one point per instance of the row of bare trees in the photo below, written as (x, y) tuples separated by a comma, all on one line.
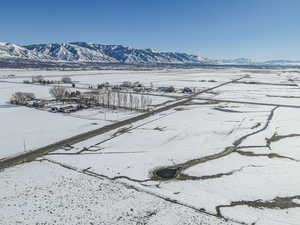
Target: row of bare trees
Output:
[(105, 98), (117, 99), (108, 98), (41, 79)]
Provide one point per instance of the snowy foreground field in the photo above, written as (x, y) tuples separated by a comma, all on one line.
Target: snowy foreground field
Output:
[(228, 156)]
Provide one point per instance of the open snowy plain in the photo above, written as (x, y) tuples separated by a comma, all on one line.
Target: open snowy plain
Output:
[(230, 155)]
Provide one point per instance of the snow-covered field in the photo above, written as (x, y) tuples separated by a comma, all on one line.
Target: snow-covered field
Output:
[(276, 88), (45, 193), (37, 128), (24, 129), (235, 161), (179, 78)]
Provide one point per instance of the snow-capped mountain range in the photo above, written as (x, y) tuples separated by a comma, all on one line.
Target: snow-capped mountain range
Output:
[(90, 52)]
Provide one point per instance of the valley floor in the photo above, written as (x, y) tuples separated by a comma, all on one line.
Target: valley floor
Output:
[(229, 155)]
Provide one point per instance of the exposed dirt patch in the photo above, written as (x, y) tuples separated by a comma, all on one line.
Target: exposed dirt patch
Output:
[(202, 103), (160, 128), (275, 137), (214, 176), (93, 148), (121, 131), (256, 126), (282, 96), (226, 110), (68, 147), (213, 93), (276, 203), (270, 155), (180, 109)]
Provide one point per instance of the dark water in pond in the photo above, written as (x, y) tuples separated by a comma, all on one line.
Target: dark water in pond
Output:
[(167, 173)]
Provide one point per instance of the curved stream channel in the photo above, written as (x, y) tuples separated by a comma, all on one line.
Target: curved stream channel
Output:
[(176, 171)]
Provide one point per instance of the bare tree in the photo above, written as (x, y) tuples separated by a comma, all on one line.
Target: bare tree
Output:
[(67, 80), (21, 97), (131, 101), (143, 102), (58, 92), (136, 102), (119, 99), (125, 101)]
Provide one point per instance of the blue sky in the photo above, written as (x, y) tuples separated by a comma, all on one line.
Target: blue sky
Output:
[(259, 29)]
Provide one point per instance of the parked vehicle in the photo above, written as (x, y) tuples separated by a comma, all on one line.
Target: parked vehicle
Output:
[(187, 90)]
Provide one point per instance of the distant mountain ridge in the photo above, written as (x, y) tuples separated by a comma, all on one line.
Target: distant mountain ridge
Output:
[(90, 52), (283, 62), (79, 52), (239, 61)]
